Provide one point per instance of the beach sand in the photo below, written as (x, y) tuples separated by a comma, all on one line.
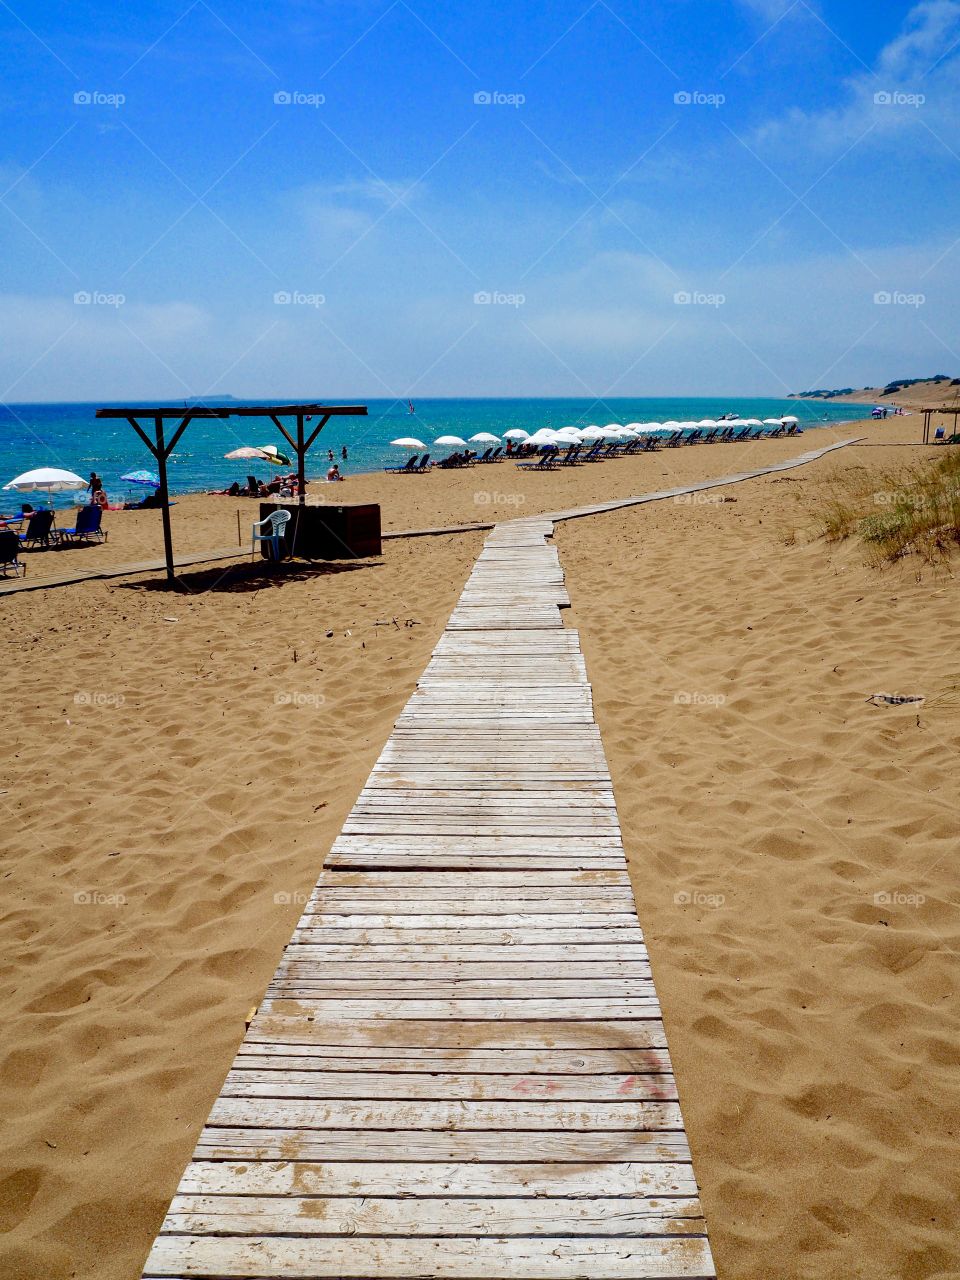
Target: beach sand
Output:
[(171, 788)]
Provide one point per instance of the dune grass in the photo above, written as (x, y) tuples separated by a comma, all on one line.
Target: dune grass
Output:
[(912, 513)]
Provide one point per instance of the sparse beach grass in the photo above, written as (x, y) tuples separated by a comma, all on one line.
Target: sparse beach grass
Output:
[(912, 512)]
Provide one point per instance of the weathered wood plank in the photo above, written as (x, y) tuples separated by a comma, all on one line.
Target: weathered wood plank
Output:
[(317, 916), (527, 1009), (462, 1115), (296, 1215), (285, 1178), (258, 1083), (414, 862), (521, 937), (486, 1061), (339, 977), (506, 1146), (428, 1258), (625, 1035), (479, 881), (608, 953)]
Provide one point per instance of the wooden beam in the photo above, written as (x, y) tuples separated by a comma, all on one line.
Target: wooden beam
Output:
[(161, 455), (301, 466), (172, 443), (316, 431), (283, 431), (143, 435)]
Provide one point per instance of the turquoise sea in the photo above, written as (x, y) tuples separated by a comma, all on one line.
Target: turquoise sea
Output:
[(68, 435)]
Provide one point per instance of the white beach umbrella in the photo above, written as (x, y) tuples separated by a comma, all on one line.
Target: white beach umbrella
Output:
[(636, 426), (449, 440), (649, 427), (613, 426), (543, 436), (484, 437), (670, 426), (706, 422), (754, 422), (516, 433), (46, 480), (789, 419), (593, 433), (408, 442), (248, 452), (771, 422), (688, 426), (569, 433)]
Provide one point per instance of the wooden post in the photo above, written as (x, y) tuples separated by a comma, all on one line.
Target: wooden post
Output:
[(165, 501), (301, 462)]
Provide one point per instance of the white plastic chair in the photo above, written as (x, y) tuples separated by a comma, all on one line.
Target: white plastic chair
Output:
[(278, 521)]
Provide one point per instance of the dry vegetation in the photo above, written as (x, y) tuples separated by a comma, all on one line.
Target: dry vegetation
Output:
[(915, 511)]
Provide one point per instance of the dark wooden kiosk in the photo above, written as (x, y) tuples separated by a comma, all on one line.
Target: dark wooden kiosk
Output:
[(300, 437), (327, 532)]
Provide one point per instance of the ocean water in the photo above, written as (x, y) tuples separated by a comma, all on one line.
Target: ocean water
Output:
[(68, 435)]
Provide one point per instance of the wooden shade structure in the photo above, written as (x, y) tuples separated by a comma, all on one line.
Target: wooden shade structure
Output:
[(952, 410), (162, 445)]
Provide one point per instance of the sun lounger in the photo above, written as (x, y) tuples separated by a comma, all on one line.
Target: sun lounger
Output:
[(87, 528), (407, 466), (543, 463), (39, 529), (9, 549)]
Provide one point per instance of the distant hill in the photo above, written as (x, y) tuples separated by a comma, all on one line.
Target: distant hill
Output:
[(911, 392)]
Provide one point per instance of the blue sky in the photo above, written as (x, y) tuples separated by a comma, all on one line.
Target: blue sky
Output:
[(309, 199)]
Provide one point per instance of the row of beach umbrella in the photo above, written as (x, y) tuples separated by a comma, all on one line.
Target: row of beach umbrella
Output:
[(59, 480), (576, 435)]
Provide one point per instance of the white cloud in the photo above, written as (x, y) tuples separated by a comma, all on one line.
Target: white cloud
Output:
[(774, 10), (912, 90)]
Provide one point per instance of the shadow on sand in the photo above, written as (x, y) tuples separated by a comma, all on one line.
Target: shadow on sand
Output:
[(261, 575)]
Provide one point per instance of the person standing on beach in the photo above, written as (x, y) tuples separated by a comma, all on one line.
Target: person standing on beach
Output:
[(95, 483)]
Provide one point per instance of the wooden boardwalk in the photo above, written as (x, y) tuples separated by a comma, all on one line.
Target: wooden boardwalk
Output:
[(459, 1069)]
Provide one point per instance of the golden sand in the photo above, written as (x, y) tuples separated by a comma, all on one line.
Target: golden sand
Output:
[(178, 765)]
